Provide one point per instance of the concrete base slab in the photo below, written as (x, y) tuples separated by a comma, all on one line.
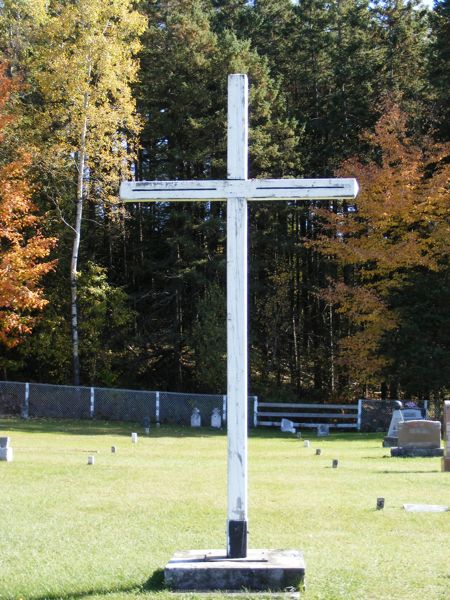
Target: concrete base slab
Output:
[(425, 508), (262, 570), (417, 452)]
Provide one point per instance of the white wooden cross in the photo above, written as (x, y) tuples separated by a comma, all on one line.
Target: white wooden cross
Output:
[(236, 190)]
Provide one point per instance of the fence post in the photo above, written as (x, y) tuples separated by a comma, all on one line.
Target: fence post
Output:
[(359, 420), (157, 408), (224, 408), (26, 402), (425, 405), (92, 403), (255, 411)]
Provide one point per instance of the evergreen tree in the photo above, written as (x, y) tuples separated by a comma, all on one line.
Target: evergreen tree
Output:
[(183, 98), (402, 40), (440, 61)]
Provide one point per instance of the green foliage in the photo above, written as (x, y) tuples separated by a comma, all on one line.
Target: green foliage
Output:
[(209, 341), (106, 327), (419, 348), (440, 61)]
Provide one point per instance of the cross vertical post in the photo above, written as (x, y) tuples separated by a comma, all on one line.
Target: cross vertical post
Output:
[(237, 190), (237, 360)]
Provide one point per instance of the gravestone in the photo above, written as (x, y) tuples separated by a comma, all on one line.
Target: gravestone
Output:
[(287, 426), (6, 452), (446, 457), (434, 508), (216, 419), (196, 419), (323, 430), (399, 415), (418, 438)]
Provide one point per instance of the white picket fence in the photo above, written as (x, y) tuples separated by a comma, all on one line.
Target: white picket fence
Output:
[(339, 416)]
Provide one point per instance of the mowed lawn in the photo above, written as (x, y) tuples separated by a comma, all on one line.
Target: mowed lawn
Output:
[(71, 530)]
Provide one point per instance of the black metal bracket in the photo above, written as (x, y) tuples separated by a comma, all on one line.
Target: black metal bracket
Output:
[(237, 539)]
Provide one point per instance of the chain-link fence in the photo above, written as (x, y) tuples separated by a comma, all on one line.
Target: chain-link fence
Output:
[(69, 402), (376, 414), (178, 408), (124, 405)]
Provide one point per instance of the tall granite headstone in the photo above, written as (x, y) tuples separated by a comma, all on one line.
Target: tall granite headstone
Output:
[(6, 452), (446, 457)]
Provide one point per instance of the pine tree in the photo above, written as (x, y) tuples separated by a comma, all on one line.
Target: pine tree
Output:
[(440, 64), (402, 38), (183, 99)]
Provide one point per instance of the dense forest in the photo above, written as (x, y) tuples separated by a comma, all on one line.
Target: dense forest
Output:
[(345, 300)]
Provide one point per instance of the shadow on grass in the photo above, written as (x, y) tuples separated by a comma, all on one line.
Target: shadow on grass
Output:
[(97, 427), (155, 583), (121, 428)]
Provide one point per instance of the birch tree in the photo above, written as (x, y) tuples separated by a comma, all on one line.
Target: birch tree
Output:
[(83, 113)]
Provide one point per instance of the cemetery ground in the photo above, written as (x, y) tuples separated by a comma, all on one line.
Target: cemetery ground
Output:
[(70, 530)]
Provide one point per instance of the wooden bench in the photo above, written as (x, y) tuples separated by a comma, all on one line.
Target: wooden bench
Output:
[(337, 416)]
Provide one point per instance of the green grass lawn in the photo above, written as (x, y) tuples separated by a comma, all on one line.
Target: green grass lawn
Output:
[(73, 531)]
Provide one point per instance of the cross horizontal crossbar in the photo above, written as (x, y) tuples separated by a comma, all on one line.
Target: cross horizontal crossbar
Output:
[(252, 189)]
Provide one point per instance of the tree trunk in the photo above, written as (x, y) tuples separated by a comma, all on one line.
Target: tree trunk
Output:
[(75, 249)]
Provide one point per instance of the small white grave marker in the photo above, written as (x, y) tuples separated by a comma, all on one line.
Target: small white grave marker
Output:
[(91, 459), (306, 444), (196, 419), (134, 438), (287, 426), (216, 419)]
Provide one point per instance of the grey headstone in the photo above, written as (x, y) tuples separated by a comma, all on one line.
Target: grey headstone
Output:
[(4, 442), (419, 434)]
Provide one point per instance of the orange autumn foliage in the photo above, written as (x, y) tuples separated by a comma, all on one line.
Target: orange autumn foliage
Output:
[(399, 224), (23, 247)]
